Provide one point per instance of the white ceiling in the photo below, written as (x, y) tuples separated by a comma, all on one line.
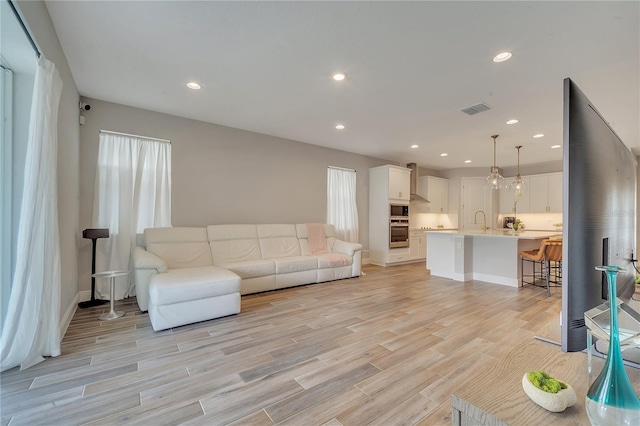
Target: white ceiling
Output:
[(266, 67)]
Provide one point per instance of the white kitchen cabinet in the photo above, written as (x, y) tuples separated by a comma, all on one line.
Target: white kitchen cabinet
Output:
[(387, 185), (507, 199), (417, 245), (555, 193), (437, 192), (399, 183), (545, 193), (475, 198)]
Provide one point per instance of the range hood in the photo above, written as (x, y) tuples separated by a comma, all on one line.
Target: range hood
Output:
[(414, 185)]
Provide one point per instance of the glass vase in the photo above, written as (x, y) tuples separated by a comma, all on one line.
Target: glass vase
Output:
[(611, 400)]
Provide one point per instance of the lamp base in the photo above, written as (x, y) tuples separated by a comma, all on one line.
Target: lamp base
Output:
[(92, 303)]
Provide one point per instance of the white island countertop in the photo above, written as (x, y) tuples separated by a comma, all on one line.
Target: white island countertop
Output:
[(502, 233), (492, 256)]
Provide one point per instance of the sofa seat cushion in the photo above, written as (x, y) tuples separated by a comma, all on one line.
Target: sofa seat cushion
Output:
[(286, 265), (251, 268), (182, 285), (333, 260)]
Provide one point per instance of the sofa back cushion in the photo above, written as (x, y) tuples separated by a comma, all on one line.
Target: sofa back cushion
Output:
[(303, 238), (233, 243), (278, 241), (179, 247)]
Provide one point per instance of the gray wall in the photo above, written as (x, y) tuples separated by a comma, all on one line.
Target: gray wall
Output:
[(223, 175), (38, 20)]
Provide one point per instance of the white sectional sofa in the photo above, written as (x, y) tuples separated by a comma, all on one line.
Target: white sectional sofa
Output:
[(184, 275)]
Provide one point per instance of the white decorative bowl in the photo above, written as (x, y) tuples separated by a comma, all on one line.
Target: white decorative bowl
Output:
[(555, 402)]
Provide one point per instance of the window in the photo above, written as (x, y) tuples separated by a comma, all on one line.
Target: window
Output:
[(18, 64), (342, 211), (6, 223), (132, 192)]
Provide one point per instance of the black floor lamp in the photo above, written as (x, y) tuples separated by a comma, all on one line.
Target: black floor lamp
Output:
[(93, 235)]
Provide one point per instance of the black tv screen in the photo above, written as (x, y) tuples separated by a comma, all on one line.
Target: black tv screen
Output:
[(599, 213)]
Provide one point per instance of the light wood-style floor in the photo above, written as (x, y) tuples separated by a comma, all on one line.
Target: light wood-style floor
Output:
[(387, 348)]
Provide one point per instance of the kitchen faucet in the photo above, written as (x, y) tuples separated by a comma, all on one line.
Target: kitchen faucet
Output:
[(484, 220)]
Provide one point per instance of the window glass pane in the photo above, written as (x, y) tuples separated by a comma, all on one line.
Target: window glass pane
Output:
[(18, 62)]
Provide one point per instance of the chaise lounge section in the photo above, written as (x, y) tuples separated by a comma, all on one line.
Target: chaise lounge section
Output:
[(184, 275)]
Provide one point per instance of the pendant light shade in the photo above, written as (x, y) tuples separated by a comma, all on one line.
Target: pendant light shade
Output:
[(495, 179), (518, 186)]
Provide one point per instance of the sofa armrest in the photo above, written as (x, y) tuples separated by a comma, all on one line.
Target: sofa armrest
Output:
[(145, 265), (344, 247), (142, 259)]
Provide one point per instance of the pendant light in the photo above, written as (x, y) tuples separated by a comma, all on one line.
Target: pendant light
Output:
[(495, 179), (518, 185)]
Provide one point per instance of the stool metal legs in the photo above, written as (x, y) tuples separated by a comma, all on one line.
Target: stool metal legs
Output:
[(544, 274)]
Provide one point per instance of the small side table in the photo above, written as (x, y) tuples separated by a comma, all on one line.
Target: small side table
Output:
[(112, 314), (598, 322)]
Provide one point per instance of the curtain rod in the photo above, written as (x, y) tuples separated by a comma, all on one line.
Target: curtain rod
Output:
[(24, 27), (341, 168), (134, 136)]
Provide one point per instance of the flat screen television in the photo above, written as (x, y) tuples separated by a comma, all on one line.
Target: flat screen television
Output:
[(599, 213)]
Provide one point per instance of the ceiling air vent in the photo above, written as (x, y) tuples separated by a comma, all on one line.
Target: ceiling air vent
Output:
[(474, 109)]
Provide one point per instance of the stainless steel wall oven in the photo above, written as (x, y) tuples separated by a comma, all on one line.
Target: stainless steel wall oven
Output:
[(398, 233)]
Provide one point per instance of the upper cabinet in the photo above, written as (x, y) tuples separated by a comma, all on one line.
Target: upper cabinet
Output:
[(508, 203), (555, 192), (475, 199), (436, 190), (545, 193), (399, 179)]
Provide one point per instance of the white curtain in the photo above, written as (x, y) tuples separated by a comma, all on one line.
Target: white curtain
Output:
[(31, 329), (132, 192), (342, 211)]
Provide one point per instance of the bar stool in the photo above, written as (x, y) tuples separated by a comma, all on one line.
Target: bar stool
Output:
[(550, 251)]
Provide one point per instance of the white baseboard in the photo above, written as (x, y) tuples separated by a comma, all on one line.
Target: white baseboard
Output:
[(84, 295), (462, 277), (495, 279)]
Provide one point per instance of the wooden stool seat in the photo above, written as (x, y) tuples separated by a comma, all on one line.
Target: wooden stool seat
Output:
[(550, 251)]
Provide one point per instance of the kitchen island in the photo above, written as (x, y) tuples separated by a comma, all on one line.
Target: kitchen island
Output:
[(492, 256)]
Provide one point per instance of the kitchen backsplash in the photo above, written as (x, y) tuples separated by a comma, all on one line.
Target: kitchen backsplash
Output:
[(433, 220), (532, 221), (538, 221)]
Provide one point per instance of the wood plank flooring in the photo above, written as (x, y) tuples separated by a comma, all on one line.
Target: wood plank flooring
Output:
[(387, 348)]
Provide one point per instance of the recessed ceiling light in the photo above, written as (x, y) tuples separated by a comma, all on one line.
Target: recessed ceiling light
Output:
[(502, 56), (467, 161), (444, 154), (340, 126), (538, 135), (193, 85), (339, 76), (414, 146), (555, 146), (513, 121)]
